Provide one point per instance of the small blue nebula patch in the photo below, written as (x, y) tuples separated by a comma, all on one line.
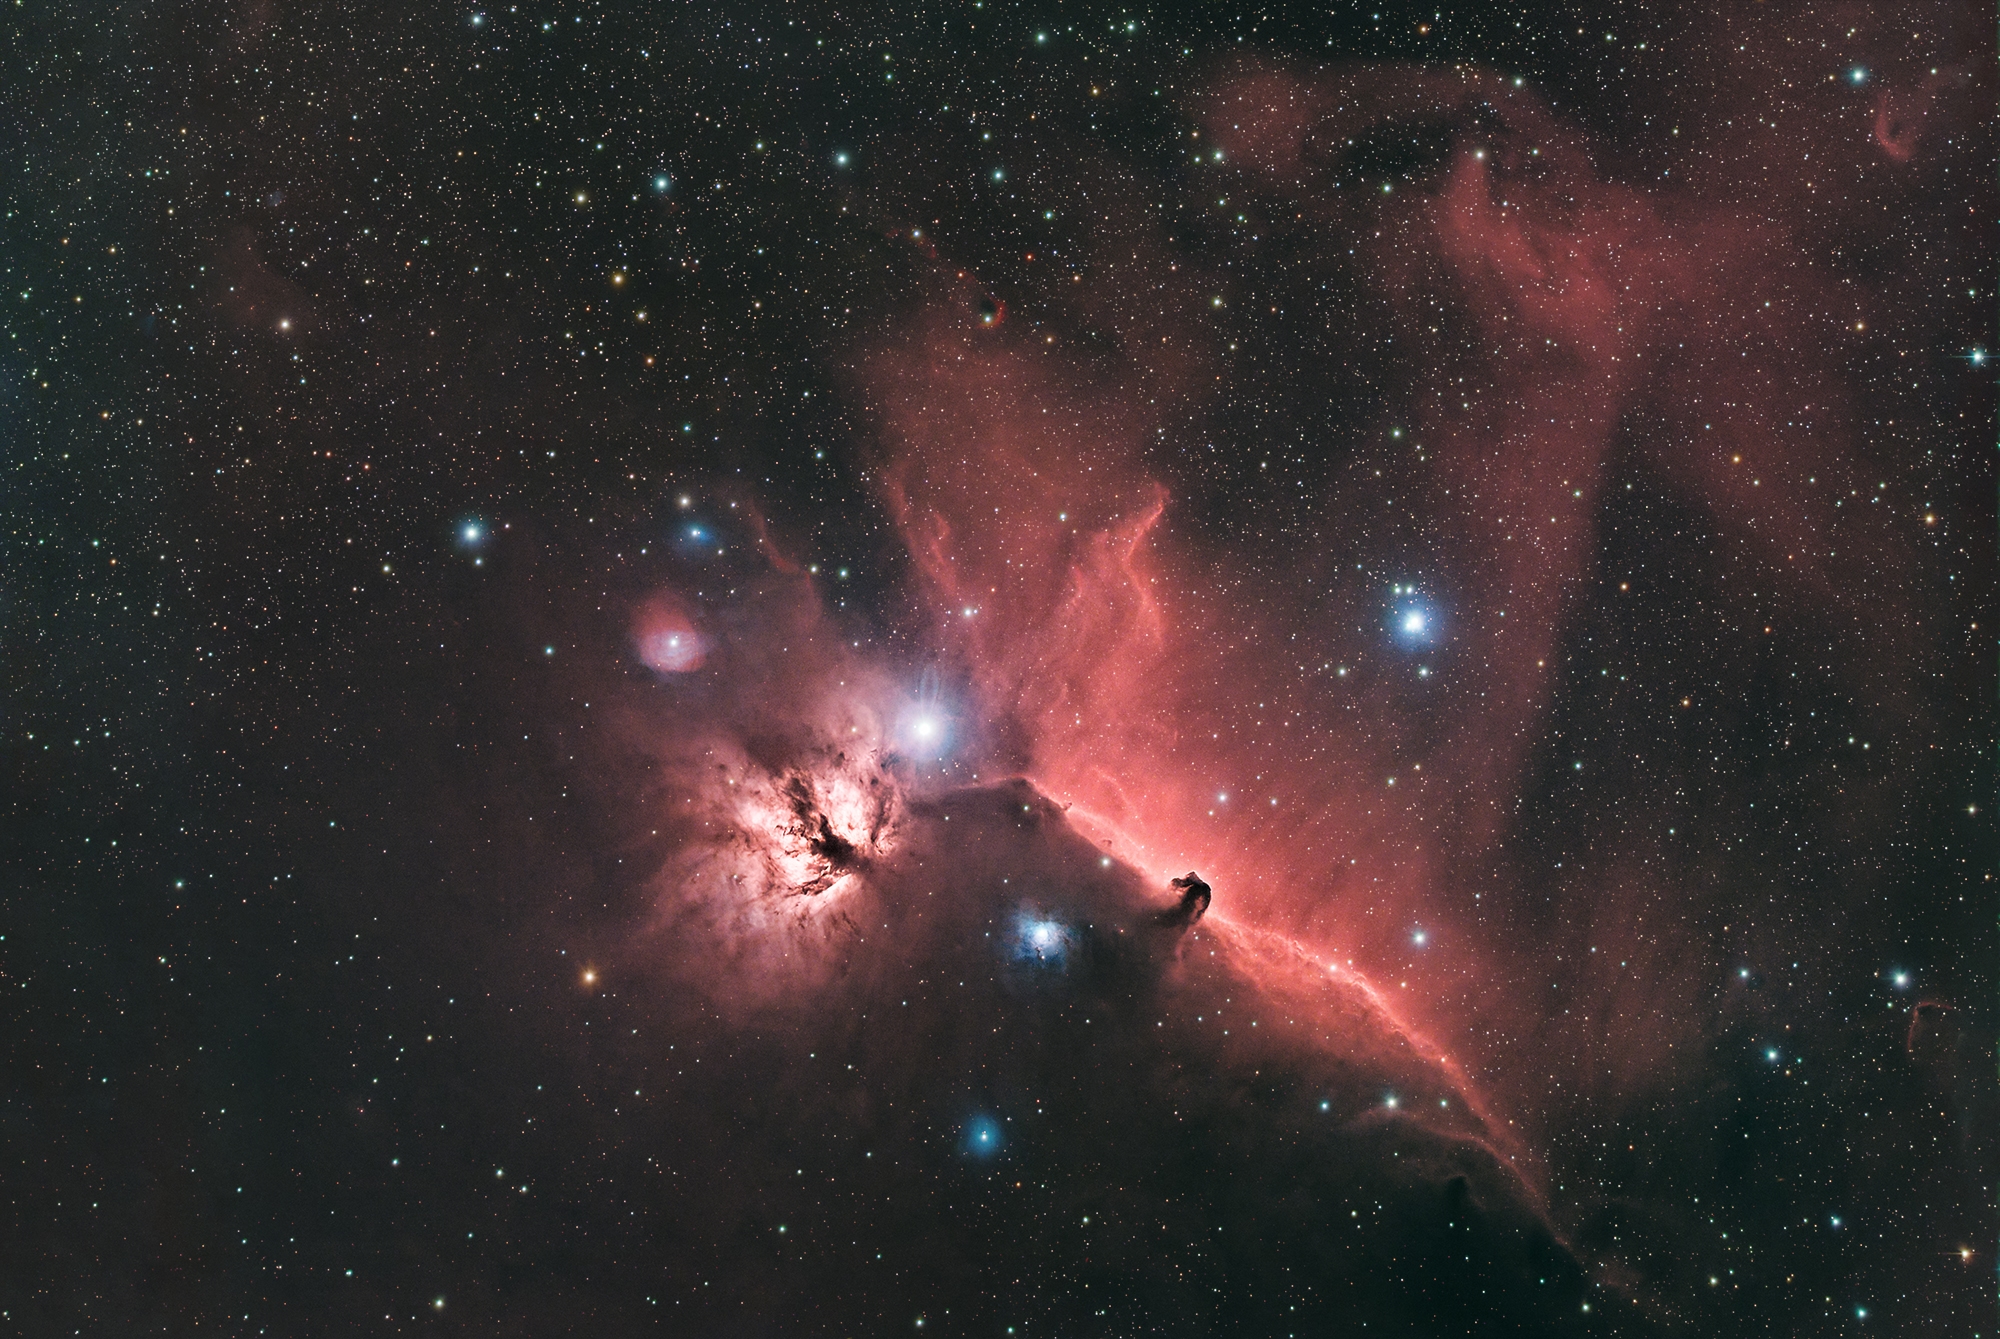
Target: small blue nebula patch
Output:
[(1040, 940), (982, 1137)]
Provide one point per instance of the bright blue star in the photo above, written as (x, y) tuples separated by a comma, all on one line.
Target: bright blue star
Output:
[(1413, 622), (924, 728), (1858, 75), (924, 732)]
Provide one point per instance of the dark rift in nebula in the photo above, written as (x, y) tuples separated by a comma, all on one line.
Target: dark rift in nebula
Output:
[(1192, 905), (994, 994)]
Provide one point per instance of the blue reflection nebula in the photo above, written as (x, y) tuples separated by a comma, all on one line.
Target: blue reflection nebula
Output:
[(1037, 939), (982, 1136)]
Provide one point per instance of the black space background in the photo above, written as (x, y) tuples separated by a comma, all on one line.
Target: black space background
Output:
[(263, 712)]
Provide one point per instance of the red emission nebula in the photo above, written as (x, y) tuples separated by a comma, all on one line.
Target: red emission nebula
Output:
[(1341, 732), (1139, 678)]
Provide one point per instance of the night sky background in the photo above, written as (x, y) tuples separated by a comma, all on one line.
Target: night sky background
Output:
[(616, 618)]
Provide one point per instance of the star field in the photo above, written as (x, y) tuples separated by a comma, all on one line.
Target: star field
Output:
[(619, 618)]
